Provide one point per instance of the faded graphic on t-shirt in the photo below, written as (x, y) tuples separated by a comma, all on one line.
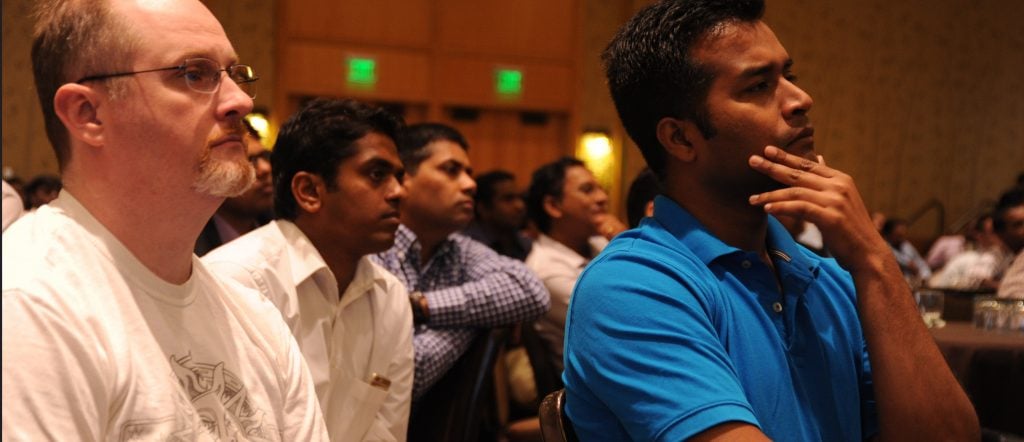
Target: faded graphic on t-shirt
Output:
[(216, 399)]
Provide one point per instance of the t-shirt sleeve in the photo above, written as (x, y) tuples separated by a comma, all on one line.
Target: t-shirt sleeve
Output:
[(55, 381), (642, 354)]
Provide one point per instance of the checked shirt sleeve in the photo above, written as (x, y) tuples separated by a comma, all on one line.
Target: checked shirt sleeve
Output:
[(497, 291), (436, 351)]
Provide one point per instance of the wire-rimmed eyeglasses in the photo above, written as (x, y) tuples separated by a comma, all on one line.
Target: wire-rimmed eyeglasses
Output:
[(201, 75)]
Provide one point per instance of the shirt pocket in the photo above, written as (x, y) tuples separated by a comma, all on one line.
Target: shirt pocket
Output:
[(352, 408)]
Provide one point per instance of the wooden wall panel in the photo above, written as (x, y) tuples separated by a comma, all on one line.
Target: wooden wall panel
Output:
[(321, 69), (379, 22), (499, 139), (528, 28), (470, 81)]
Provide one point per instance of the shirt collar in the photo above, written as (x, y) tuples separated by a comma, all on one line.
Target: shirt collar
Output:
[(408, 246), (306, 261), (367, 275), (562, 251), (707, 247)]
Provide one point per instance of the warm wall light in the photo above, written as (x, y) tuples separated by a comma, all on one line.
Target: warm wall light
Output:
[(258, 120), (596, 151)]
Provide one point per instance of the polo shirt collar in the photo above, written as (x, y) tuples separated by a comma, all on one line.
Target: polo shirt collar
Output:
[(707, 247)]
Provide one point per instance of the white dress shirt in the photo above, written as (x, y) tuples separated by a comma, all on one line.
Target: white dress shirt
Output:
[(358, 347), (558, 267)]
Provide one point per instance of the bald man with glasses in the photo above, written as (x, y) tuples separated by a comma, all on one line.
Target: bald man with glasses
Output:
[(112, 328)]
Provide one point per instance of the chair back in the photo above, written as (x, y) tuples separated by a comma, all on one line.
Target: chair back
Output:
[(461, 406), (554, 424), (545, 374)]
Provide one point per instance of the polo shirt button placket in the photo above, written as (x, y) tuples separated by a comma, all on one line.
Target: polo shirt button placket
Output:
[(745, 264), (777, 307)]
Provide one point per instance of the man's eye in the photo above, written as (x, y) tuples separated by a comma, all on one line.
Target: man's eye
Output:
[(759, 87), (195, 75), (792, 78), (378, 175)]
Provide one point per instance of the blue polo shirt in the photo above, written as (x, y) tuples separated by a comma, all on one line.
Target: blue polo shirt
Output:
[(670, 332)]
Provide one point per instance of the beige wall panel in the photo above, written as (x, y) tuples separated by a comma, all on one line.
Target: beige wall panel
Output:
[(26, 150), (531, 28), (320, 69), (379, 22), (498, 139), (469, 81), (915, 99)]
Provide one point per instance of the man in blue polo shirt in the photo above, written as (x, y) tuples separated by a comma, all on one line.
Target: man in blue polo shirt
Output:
[(708, 321)]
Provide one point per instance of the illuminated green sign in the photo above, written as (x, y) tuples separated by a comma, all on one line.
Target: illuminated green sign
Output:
[(362, 72), (508, 82)]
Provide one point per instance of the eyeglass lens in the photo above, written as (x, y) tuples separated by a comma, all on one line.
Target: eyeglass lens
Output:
[(203, 75)]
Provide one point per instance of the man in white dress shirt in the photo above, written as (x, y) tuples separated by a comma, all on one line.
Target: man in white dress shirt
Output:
[(570, 208), (112, 329), (337, 186)]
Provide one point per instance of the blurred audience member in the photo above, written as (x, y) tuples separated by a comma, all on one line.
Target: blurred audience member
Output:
[(338, 186), (457, 286), (1008, 221), (243, 213), (982, 259), (569, 208), (914, 268), (12, 206), (805, 233), (19, 186), (878, 218), (500, 215), (640, 197), (41, 190)]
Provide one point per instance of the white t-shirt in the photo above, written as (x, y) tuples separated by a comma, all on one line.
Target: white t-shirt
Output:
[(359, 348), (97, 347)]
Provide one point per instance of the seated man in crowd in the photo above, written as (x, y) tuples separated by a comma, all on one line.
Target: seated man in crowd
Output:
[(12, 205), (570, 209), (640, 197), (241, 214), (979, 264), (337, 187), (1008, 222), (112, 330), (708, 322), (913, 266), (500, 215), (41, 190), (457, 286)]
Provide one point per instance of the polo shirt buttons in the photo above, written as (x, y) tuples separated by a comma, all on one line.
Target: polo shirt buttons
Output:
[(777, 306), (745, 264)]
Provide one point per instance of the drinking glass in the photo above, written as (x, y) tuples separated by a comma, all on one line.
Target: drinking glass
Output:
[(929, 303)]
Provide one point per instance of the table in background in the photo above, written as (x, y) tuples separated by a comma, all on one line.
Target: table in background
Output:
[(990, 367)]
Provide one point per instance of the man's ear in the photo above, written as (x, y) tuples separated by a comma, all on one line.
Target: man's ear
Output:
[(552, 207), (308, 190), (680, 138), (77, 107)]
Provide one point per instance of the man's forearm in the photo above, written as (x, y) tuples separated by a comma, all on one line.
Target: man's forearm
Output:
[(917, 395)]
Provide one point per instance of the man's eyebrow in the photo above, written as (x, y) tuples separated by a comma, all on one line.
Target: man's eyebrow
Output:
[(758, 70), (381, 162)]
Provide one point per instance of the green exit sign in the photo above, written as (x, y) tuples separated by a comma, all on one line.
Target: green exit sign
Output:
[(508, 82), (362, 72)]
